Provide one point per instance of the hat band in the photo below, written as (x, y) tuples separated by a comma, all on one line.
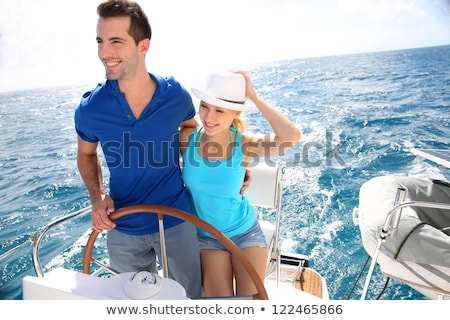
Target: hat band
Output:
[(231, 101)]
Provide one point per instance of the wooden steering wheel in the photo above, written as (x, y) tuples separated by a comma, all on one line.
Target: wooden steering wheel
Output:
[(180, 214)]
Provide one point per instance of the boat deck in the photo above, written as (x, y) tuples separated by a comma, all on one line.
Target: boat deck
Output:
[(301, 278), (439, 156)]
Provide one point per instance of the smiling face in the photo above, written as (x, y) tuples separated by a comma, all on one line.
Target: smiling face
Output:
[(216, 120), (117, 50)]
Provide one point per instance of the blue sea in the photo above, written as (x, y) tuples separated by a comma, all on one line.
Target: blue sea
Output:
[(359, 116)]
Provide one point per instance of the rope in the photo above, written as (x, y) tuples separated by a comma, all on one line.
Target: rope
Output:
[(358, 278)]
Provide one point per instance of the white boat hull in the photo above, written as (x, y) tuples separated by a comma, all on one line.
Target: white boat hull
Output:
[(65, 284)]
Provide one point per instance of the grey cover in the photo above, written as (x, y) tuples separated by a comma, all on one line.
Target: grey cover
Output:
[(423, 233)]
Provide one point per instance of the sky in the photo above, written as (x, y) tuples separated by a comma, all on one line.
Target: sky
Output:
[(52, 42)]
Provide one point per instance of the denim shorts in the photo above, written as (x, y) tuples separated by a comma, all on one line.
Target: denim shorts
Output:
[(253, 237)]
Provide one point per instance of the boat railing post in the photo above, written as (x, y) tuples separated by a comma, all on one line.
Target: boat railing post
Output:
[(372, 265), (162, 240), (277, 234), (393, 225), (37, 237)]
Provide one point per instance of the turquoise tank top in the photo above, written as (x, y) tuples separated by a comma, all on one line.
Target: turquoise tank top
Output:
[(214, 187)]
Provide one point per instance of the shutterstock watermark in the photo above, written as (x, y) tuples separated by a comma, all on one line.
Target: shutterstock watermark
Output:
[(310, 154), (331, 152), (130, 153)]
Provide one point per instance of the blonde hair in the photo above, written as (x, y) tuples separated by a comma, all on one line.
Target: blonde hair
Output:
[(239, 124)]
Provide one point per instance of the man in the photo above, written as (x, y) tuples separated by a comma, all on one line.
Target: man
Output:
[(135, 116)]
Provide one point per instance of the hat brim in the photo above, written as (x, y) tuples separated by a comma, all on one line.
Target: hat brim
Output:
[(248, 105)]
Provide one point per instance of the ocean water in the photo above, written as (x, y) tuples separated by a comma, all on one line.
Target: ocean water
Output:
[(359, 116)]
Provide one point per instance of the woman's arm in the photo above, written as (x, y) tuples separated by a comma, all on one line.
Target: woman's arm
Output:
[(285, 134), (185, 130)]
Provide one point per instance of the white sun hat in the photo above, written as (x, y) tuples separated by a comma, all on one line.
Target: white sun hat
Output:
[(224, 90)]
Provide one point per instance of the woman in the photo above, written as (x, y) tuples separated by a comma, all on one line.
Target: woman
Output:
[(215, 157)]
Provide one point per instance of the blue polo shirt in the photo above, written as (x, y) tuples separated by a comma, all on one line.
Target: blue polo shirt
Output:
[(142, 154)]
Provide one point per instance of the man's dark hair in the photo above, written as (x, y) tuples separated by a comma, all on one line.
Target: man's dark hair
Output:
[(139, 25)]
